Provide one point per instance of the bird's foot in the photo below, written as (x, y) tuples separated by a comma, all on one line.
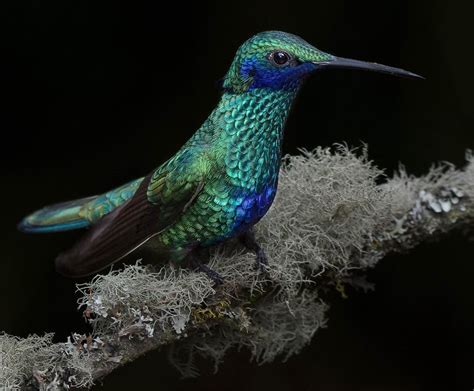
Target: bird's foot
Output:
[(249, 241), (201, 267), (261, 262)]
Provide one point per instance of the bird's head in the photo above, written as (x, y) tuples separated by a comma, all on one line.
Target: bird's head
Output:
[(279, 61)]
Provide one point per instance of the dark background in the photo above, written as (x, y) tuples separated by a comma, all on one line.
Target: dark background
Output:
[(95, 95)]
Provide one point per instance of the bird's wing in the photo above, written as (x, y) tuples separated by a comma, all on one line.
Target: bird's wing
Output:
[(159, 201)]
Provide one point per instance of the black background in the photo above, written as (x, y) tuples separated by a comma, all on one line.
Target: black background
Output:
[(95, 95)]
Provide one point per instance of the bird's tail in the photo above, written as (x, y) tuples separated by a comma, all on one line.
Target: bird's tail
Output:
[(65, 216)]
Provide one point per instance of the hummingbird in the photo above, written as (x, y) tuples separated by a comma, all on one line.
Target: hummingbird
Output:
[(218, 185)]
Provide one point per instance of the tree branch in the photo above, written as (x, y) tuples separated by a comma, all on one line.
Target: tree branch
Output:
[(330, 221)]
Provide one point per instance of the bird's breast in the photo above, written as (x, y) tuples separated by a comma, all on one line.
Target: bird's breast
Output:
[(252, 207), (226, 210)]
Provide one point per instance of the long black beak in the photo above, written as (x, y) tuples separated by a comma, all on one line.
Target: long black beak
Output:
[(347, 63)]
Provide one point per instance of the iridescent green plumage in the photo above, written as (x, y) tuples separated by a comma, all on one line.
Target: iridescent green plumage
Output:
[(219, 184)]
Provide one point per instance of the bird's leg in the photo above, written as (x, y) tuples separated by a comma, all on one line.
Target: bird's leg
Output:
[(195, 263), (249, 241)]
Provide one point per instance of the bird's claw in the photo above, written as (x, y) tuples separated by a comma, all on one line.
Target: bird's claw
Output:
[(249, 241), (212, 274), (261, 261)]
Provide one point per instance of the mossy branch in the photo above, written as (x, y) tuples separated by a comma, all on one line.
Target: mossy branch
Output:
[(330, 221)]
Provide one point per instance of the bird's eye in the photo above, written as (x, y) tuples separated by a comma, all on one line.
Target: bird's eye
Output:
[(279, 57)]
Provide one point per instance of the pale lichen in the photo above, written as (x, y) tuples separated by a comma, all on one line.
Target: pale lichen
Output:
[(36, 361), (331, 218), (136, 301)]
